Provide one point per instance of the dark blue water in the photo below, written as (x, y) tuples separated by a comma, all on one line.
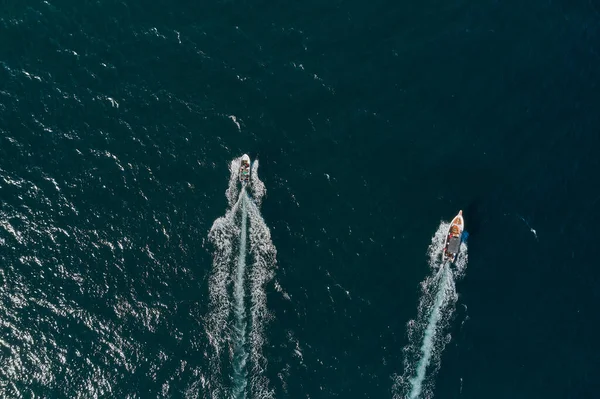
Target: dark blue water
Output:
[(373, 121)]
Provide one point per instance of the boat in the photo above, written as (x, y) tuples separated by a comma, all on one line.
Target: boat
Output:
[(453, 238), (245, 169)]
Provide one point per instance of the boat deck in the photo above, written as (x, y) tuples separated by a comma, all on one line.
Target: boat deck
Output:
[(454, 245)]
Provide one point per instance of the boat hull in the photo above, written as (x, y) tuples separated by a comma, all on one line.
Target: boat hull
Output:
[(453, 238)]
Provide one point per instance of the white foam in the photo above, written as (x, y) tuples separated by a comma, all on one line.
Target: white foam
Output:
[(239, 351), (229, 305), (155, 32), (263, 269), (234, 119), (222, 236), (113, 102), (31, 76), (258, 187), (233, 190), (531, 229)]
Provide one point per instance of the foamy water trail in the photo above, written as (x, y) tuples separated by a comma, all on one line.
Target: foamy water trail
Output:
[(239, 331), (233, 189), (227, 322), (263, 268), (429, 336), (426, 334), (258, 187), (223, 236)]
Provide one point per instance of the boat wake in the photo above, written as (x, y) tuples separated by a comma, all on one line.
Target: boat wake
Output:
[(228, 324), (426, 334), (239, 310)]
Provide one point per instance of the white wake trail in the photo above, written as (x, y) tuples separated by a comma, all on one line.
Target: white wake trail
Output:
[(222, 235), (233, 190), (445, 293), (239, 351), (426, 334), (263, 269), (258, 187), (227, 321)]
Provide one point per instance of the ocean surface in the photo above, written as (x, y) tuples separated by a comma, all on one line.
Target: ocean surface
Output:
[(133, 265)]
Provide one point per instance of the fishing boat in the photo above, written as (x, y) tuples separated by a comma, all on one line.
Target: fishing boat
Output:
[(453, 238), (245, 169)]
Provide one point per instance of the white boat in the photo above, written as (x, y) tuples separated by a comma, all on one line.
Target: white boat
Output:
[(453, 238), (245, 169)]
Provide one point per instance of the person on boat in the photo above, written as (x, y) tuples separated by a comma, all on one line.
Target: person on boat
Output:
[(454, 231)]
